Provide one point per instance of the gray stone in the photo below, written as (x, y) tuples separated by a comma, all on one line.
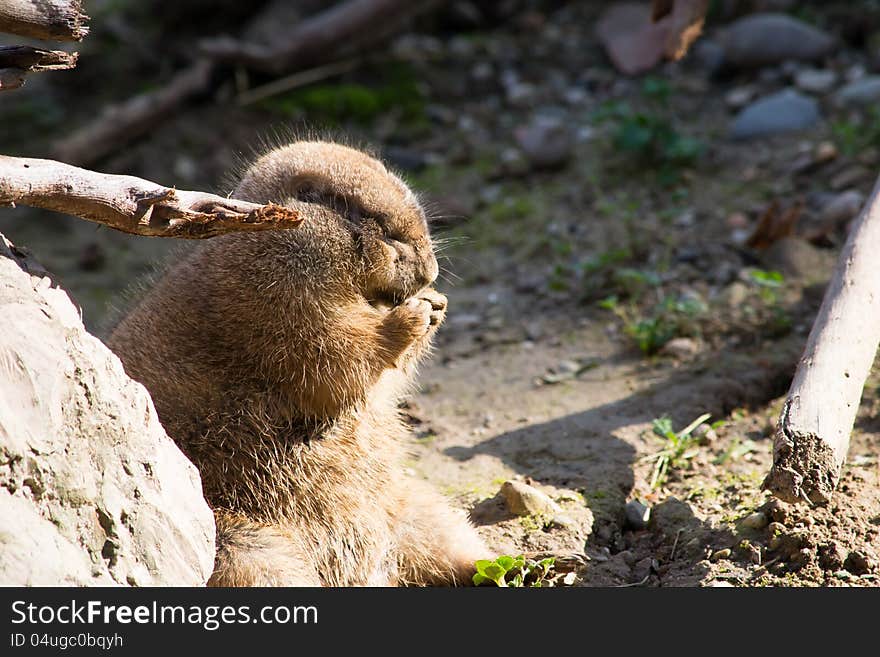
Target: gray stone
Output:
[(681, 348), (782, 112), (525, 500), (769, 39), (92, 490), (816, 80), (637, 514), (546, 142), (864, 91), (756, 520), (842, 207), (797, 258)]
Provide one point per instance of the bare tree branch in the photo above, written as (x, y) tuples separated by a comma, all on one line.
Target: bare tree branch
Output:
[(17, 61), (133, 205), (812, 437), (341, 28), (51, 20), (120, 123)]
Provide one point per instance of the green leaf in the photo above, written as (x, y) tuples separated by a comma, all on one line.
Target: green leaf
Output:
[(506, 562), (480, 579)]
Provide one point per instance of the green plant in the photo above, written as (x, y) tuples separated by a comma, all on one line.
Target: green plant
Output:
[(853, 135), (770, 285), (649, 137), (672, 317), (507, 571), (395, 88), (679, 447)]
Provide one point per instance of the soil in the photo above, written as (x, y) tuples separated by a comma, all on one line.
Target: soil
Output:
[(554, 273)]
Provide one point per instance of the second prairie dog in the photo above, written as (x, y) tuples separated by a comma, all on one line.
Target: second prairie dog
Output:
[(276, 361)]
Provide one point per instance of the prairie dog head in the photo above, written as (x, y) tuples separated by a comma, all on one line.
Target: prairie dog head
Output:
[(356, 208)]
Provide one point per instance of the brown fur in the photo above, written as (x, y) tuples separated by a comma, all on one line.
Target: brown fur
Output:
[(276, 361)]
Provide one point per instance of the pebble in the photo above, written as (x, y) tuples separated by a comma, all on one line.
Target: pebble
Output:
[(737, 220), (767, 39), (825, 152), (778, 513), (756, 520), (739, 97), (849, 177), (864, 91), (705, 434), (784, 111), (525, 500), (815, 80), (857, 563), (637, 514), (681, 348), (718, 555), (842, 207), (545, 142)]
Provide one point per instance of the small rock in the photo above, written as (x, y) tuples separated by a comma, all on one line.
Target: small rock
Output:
[(775, 528), (768, 39), (777, 512), (858, 563), (784, 111), (739, 97), (864, 91), (842, 208), (797, 258), (831, 556), (735, 294), (709, 55), (546, 142), (718, 555), (681, 348), (705, 434), (637, 515), (512, 162), (737, 220), (525, 500), (815, 81), (756, 520), (825, 152), (849, 177)]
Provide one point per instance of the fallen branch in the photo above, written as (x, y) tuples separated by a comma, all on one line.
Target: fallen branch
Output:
[(120, 123), (17, 61), (344, 27), (50, 20), (812, 437), (132, 205)]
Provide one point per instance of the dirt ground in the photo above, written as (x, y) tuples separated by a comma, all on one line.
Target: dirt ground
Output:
[(555, 272)]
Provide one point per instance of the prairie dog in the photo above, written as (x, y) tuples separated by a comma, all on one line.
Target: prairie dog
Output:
[(276, 361)]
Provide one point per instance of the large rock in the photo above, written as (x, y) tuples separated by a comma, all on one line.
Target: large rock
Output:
[(865, 91), (784, 111), (92, 490), (769, 39)]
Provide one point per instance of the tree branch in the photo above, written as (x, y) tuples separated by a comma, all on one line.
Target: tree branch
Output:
[(17, 61), (124, 121), (50, 20), (812, 437), (342, 28), (133, 205)]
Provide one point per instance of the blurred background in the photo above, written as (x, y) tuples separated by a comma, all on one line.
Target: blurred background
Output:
[(613, 225)]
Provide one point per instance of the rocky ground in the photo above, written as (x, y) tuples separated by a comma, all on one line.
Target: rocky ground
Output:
[(616, 250)]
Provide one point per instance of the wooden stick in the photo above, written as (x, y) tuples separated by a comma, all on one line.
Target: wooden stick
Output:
[(341, 28), (51, 20), (118, 124), (17, 61), (133, 205), (812, 437)]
